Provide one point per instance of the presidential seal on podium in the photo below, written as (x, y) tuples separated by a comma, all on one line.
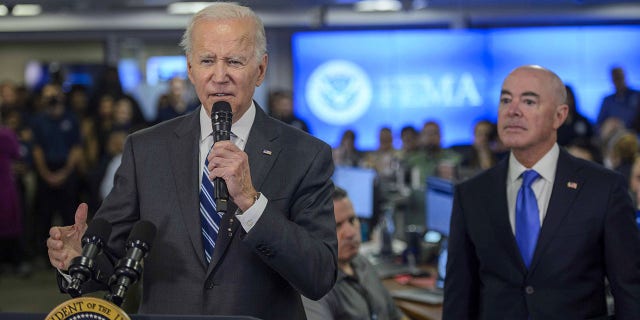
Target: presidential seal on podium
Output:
[(87, 308)]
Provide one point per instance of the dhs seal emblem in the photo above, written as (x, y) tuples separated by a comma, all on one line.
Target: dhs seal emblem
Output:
[(338, 92)]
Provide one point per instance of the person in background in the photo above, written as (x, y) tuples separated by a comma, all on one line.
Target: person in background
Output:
[(584, 149), (11, 215), (409, 136), (346, 154), (57, 154), (277, 238), (281, 108), (622, 104), (115, 145), (576, 126), (109, 84), (624, 152), (385, 160), (433, 155), (175, 102), (358, 294), (634, 182), (535, 236), (479, 155)]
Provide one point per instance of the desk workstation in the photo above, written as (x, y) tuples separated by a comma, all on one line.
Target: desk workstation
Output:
[(416, 289), (413, 269), (409, 256)]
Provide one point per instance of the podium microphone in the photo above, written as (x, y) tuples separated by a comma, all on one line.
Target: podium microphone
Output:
[(129, 269), (83, 267), (221, 117)]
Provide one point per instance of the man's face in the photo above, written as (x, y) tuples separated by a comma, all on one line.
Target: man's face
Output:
[(529, 112), (430, 135), (222, 65), (347, 229), (482, 134), (386, 140), (282, 107)]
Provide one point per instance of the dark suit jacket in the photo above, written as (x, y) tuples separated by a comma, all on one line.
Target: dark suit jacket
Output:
[(291, 250), (589, 232)]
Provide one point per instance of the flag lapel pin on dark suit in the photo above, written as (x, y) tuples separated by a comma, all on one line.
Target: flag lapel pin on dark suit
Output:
[(267, 152), (572, 185)]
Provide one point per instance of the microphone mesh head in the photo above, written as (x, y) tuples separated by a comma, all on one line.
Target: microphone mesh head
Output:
[(221, 106), (143, 231), (99, 228)]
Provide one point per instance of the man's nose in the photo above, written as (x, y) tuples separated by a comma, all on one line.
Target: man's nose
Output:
[(220, 71), (513, 108)]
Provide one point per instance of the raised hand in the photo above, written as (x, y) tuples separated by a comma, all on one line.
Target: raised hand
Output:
[(65, 243)]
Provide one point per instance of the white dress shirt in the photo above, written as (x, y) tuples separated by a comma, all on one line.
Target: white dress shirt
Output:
[(542, 187), (240, 133)]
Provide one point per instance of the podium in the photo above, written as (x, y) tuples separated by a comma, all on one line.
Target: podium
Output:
[(41, 316)]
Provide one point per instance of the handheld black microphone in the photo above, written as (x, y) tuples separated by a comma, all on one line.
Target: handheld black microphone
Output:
[(83, 267), (129, 268), (221, 117)]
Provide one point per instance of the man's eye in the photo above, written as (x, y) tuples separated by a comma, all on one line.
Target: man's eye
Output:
[(206, 61), (529, 102), (505, 100), (235, 63)]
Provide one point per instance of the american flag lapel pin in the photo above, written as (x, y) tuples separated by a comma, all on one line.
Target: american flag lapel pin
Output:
[(267, 152), (572, 185)]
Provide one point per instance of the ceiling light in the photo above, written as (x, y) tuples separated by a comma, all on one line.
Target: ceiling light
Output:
[(378, 5), (23, 10), (3, 10), (187, 7)]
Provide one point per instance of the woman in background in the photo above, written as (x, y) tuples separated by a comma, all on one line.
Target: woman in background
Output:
[(10, 212)]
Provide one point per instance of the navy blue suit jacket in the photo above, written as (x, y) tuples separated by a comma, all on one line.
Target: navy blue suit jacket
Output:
[(589, 232)]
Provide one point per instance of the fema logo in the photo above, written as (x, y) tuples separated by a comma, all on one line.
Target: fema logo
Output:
[(338, 92)]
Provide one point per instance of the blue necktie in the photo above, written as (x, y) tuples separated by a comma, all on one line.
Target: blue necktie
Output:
[(527, 217), (209, 216)]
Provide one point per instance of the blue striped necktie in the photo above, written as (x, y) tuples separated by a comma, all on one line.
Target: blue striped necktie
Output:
[(209, 216), (527, 217)]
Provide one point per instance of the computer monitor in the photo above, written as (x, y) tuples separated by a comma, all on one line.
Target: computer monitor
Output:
[(439, 202), (358, 182)]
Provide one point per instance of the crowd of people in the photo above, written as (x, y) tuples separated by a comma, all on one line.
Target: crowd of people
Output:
[(69, 144)]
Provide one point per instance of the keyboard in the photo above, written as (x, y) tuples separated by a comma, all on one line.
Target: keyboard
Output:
[(428, 296), (388, 269)]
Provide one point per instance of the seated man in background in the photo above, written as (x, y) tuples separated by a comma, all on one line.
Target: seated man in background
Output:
[(358, 292)]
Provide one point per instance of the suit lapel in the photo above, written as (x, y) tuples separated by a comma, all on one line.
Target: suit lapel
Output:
[(499, 211), (566, 187), (262, 152), (262, 147), (184, 150)]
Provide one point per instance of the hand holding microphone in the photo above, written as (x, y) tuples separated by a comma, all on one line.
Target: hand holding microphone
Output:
[(221, 119), (83, 267), (236, 185), (129, 269)]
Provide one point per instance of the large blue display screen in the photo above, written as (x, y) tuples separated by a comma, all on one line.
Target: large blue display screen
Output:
[(364, 80)]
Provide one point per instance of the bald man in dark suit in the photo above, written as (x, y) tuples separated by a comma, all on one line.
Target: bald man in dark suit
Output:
[(535, 236)]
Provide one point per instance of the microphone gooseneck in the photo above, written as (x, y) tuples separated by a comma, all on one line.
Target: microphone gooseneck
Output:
[(129, 268), (221, 119), (83, 267)]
